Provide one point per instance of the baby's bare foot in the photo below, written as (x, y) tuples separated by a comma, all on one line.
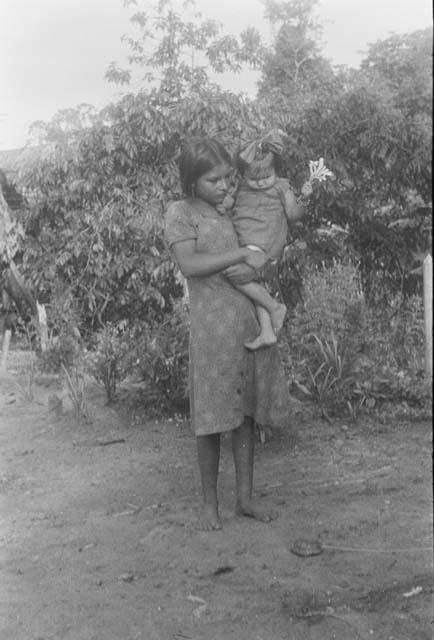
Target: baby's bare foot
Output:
[(278, 317), (209, 519), (261, 342), (252, 510)]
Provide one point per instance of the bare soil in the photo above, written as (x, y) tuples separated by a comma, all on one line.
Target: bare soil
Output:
[(98, 541)]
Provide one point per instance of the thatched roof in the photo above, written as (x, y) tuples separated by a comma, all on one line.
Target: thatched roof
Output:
[(12, 160)]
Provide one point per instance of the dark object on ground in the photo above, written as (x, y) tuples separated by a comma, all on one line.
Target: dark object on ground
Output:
[(305, 548)]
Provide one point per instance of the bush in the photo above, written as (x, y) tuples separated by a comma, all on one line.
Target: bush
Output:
[(345, 355), (111, 360), (394, 371), (64, 339), (161, 357), (325, 335)]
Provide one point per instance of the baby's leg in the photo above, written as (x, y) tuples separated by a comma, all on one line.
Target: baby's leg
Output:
[(262, 298), (267, 336)]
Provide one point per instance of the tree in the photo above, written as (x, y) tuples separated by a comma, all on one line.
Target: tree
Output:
[(94, 220), (373, 127), (382, 192), (293, 66), (404, 64), (65, 126), (176, 52)]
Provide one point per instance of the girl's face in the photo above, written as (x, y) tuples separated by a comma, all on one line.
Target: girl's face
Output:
[(213, 185)]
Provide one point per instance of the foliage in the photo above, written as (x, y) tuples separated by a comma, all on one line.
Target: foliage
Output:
[(395, 368), (95, 208), (326, 334), (400, 61), (332, 383), (111, 359), (64, 346), (161, 357), (374, 129), (75, 383), (9, 192), (65, 127), (333, 303), (293, 67), (10, 239), (115, 171), (94, 216), (11, 232), (345, 355), (179, 42), (381, 196), (92, 237), (155, 350)]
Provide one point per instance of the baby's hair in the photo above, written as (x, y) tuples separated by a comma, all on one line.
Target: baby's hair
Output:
[(198, 156), (272, 159)]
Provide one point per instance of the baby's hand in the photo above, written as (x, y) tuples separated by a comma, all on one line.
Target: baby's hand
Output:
[(307, 189)]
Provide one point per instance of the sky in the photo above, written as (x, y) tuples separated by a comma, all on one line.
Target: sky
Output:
[(54, 53)]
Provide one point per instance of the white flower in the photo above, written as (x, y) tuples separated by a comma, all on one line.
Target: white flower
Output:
[(318, 171)]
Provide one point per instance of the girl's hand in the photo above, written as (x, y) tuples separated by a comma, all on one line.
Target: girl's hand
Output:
[(255, 259), (240, 274)]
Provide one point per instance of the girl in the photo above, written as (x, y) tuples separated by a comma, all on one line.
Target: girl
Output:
[(231, 388)]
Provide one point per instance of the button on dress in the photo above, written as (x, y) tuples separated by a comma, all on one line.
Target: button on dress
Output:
[(227, 381)]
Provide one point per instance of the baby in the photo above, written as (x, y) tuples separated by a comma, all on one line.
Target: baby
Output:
[(264, 204)]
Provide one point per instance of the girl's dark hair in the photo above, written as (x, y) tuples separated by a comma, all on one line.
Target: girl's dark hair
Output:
[(199, 156)]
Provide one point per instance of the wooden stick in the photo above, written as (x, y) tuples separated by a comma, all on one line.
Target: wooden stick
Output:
[(5, 349), (42, 321), (427, 304)]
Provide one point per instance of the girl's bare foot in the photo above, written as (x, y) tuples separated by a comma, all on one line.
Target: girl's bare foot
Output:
[(251, 510), (278, 317), (209, 519), (261, 342)]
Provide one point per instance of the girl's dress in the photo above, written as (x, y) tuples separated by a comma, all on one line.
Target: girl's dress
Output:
[(227, 382)]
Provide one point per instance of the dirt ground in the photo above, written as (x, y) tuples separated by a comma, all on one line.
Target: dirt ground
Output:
[(97, 538)]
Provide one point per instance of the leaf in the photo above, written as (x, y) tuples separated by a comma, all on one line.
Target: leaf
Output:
[(404, 223), (302, 388)]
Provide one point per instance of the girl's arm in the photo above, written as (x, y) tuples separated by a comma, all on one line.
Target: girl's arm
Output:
[(195, 264), (240, 274)]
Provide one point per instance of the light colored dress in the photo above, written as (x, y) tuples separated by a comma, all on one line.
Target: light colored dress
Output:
[(227, 382)]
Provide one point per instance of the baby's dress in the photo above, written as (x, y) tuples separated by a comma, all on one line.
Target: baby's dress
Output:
[(227, 382), (259, 217)]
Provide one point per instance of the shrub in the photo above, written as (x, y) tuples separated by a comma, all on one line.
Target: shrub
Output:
[(394, 371), (345, 355), (111, 360), (325, 335), (64, 339), (161, 357)]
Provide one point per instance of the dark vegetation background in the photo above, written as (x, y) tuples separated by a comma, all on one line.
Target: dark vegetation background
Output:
[(88, 234)]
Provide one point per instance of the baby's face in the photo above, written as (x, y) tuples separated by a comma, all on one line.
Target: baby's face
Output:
[(261, 183)]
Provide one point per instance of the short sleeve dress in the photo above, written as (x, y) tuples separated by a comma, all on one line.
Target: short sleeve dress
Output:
[(227, 382)]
